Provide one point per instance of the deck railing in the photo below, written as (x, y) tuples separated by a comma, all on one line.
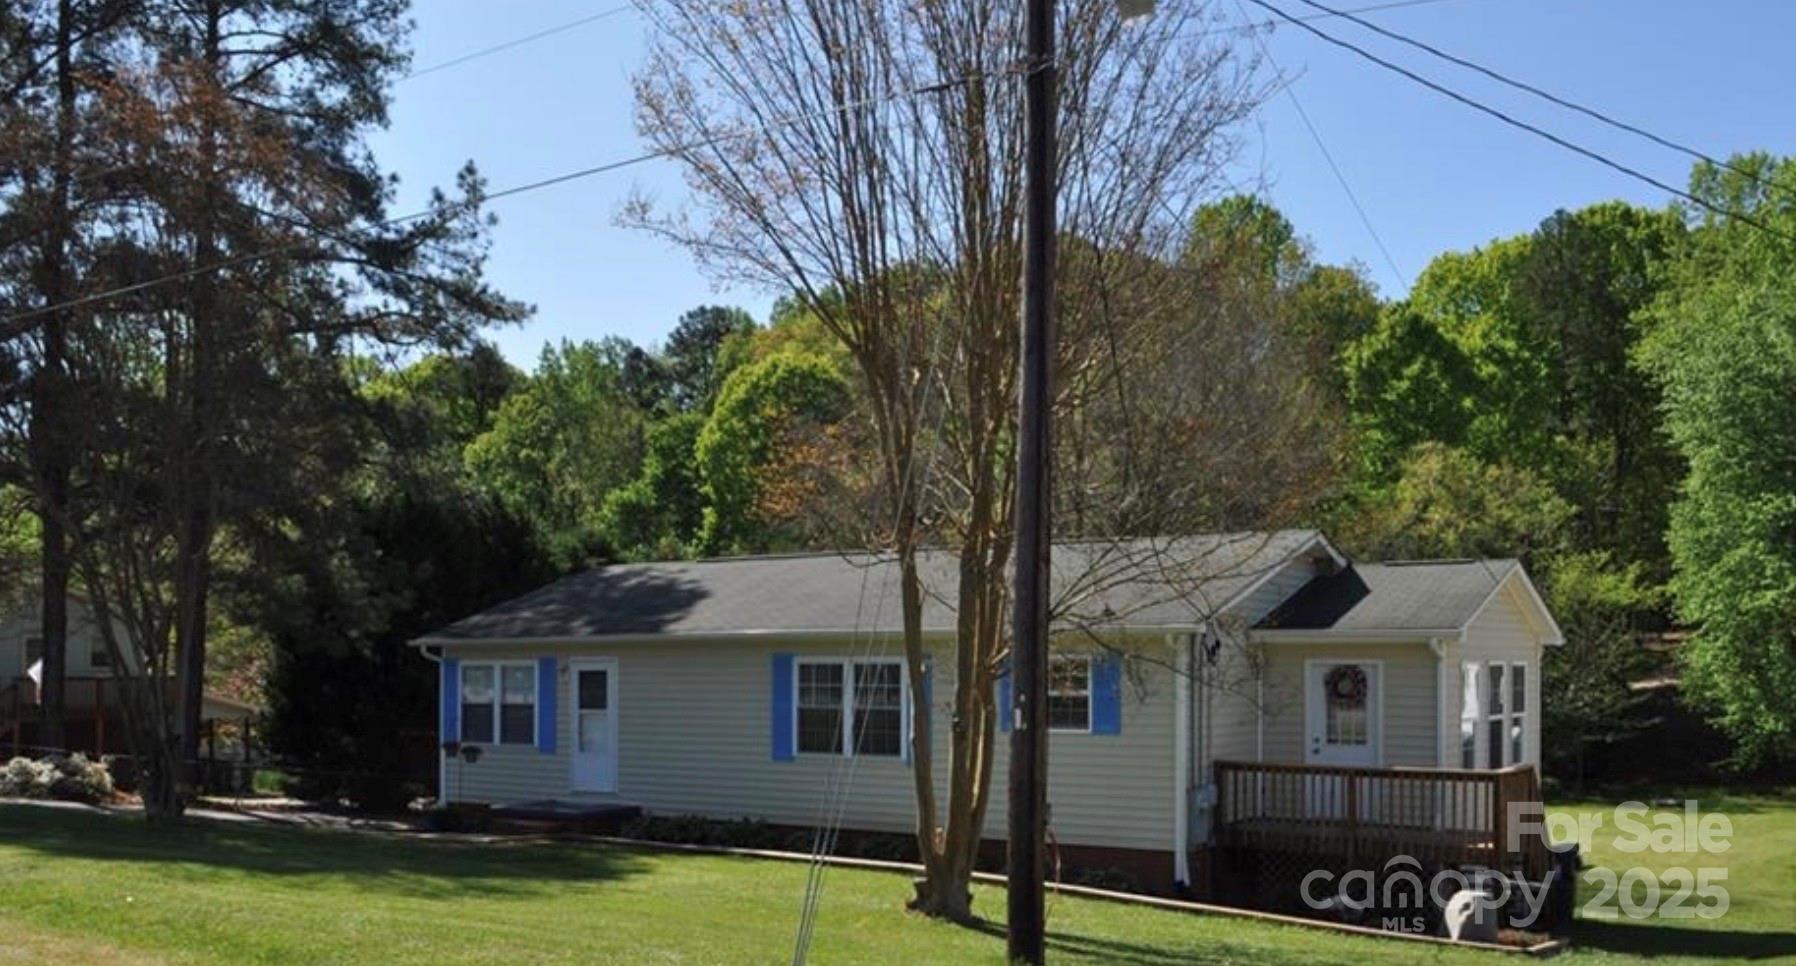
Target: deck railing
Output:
[(1446, 817)]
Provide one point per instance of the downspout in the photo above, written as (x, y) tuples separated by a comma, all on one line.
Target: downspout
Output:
[(1184, 747), (1440, 701), (442, 756), (1259, 704)]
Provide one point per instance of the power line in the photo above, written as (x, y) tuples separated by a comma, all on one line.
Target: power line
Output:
[(1328, 156), (1253, 27), (1599, 158), (1546, 95), (15, 325), (516, 42)]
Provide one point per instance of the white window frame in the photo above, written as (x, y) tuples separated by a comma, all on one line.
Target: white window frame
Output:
[(1518, 720), (848, 744), (498, 703), (1090, 696), (1503, 713)]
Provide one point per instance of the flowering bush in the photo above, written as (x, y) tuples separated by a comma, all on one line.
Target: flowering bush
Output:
[(72, 778)]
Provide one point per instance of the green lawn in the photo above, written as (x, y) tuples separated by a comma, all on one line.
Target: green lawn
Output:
[(82, 887), (1760, 864)]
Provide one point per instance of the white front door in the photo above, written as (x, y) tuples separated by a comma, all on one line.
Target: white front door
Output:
[(1341, 724), (1342, 710), (595, 724)]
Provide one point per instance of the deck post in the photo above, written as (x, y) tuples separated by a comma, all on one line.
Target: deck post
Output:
[(1499, 803), (1351, 781), (99, 717)]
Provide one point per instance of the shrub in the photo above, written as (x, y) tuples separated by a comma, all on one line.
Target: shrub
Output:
[(72, 778)]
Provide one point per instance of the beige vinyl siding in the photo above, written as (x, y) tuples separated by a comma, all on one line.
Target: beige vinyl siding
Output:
[(84, 639), (695, 736), (1501, 632), (1408, 732)]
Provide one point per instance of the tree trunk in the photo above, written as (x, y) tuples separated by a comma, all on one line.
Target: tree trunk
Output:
[(194, 552), (163, 787), (49, 407)]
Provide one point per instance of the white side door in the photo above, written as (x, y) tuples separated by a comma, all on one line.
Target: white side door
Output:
[(595, 724)]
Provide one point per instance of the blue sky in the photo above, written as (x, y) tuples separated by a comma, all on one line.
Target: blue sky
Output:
[(1431, 174)]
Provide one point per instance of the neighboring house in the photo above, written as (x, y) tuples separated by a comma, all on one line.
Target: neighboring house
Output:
[(91, 699), (1262, 676)]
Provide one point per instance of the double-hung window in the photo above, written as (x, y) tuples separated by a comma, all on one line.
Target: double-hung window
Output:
[(498, 703), (1468, 715), (1518, 711), (1069, 693), (850, 707), (1496, 723)]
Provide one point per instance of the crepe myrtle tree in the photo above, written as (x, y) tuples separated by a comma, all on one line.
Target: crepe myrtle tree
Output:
[(866, 157)]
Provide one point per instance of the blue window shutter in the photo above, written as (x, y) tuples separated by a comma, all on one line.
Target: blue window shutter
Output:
[(785, 743), (1106, 694), (545, 705), (1004, 699), (451, 692)]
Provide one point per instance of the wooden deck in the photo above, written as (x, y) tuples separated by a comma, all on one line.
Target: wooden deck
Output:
[(94, 718), (1364, 817)]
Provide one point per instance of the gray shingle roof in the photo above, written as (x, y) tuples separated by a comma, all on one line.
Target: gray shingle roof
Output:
[(1420, 595), (1143, 583)]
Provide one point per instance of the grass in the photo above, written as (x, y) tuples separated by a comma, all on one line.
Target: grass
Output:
[(1760, 864), (76, 886)]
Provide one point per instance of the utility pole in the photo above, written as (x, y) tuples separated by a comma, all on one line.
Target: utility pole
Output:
[(1029, 625)]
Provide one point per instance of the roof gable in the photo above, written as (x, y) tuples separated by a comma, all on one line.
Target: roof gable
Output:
[(1404, 596)]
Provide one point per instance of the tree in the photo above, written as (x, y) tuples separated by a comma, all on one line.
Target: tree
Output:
[(559, 445), (866, 157), (768, 413), (1447, 503), (454, 397), (56, 53), (1583, 288), (1407, 383), (1520, 352), (234, 135), (1724, 354), (659, 515), (345, 688), (1586, 694), (692, 354)]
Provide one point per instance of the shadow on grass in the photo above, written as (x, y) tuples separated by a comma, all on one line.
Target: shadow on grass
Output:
[(1105, 949), (1658, 939), (361, 860)]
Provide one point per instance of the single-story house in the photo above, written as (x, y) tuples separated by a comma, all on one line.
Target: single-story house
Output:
[(744, 687)]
